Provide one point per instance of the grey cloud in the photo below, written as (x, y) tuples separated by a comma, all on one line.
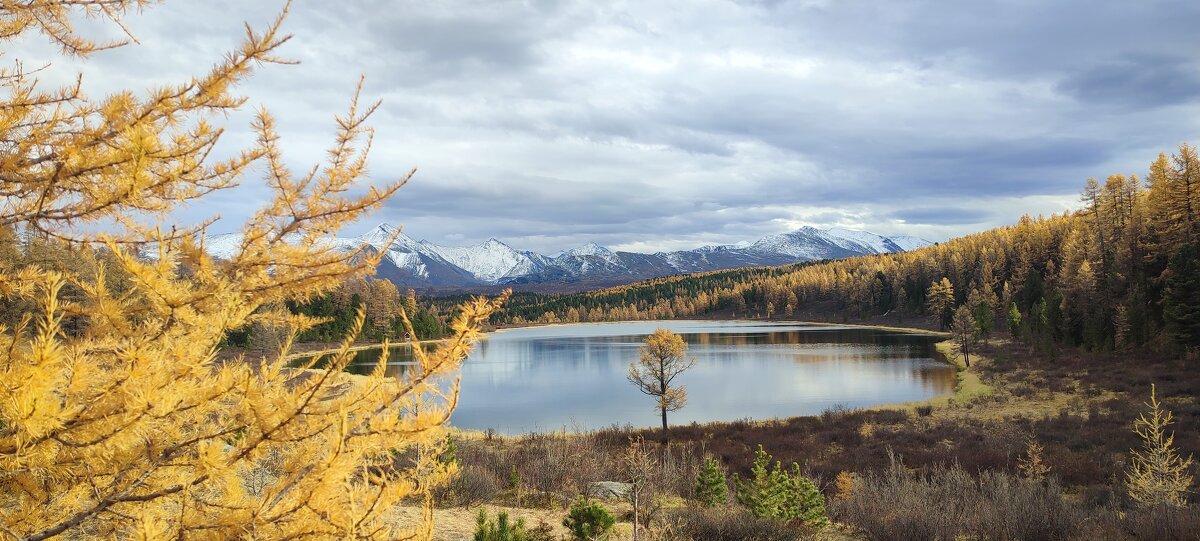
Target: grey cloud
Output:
[(942, 215), (1138, 82), (549, 124), (1008, 38)]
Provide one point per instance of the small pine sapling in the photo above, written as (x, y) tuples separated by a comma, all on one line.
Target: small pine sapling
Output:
[(500, 529), (803, 500), (777, 493), (712, 489), (588, 521)]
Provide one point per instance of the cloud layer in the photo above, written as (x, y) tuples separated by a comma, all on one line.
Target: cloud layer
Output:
[(663, 125)]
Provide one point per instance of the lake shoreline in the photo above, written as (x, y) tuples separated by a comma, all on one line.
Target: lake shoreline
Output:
[(967, 384), (372, 345)]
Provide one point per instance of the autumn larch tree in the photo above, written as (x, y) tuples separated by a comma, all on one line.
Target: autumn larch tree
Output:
[(663, 358), (124, 425), (965, 333), (939, 299), (1158, 475)]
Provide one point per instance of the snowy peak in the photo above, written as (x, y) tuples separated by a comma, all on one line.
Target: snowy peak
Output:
[(590, 248), (907, 243), (381, 237), (426, 265), (812, 243), (851, 239), (489, 261)]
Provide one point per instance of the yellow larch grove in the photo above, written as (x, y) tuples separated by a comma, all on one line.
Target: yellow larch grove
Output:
[(125, 424)]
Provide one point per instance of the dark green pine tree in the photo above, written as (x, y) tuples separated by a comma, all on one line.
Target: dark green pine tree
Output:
[(803, 501), (500, 529), (1181, 297), (711, 486), (761, 492)]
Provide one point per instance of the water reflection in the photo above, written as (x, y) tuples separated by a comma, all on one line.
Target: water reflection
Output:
[(573, 376)]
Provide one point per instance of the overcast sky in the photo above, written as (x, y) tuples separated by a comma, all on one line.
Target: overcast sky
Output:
[(663, 125)]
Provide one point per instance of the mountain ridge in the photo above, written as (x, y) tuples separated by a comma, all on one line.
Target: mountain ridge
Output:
[(493, 263)]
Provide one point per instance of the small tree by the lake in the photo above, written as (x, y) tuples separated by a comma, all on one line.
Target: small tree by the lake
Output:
[(663, 358), (965, 332)]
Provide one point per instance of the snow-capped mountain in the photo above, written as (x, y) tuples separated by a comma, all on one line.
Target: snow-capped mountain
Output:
[(490, 261), (425, 265), (428, 266), (809, 243)]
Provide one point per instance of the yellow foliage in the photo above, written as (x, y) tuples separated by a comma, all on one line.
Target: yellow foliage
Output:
[(845, 483), (1158, 475), (129, 426), (1031, 465), (663, 358)]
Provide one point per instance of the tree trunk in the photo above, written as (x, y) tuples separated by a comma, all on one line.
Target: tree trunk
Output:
[(635, 513), (664, 423), (662, 385)]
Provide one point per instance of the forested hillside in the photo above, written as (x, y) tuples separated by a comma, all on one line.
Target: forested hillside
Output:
[(1122, 270)]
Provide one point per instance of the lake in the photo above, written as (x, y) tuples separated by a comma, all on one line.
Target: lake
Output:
[(573, 376)]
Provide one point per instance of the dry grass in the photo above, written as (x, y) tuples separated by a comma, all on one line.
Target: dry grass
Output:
[(458, 523)]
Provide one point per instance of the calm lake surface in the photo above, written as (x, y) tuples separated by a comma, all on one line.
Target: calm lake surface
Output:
[(573, 376)]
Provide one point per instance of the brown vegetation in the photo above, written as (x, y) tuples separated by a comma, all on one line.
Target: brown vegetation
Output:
[(966, 464)]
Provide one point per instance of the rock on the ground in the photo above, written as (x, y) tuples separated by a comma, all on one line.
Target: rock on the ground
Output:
[(609, 490)]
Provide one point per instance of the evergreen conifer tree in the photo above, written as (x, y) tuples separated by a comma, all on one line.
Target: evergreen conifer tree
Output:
[(712, 488), (775, 492), (803, 501), (1181, 298), (588, 521), (761, 493), (1014, 319)]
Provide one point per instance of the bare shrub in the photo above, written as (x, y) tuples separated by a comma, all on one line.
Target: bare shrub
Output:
[(731, 524), (555, 468), (946, 503), (1165, 522), (1020, 509), (472, 486)]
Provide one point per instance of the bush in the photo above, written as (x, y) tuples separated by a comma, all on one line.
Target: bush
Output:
[(473, 485), (1164, 523), (588, 521), (947, 503), (731, 524)]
